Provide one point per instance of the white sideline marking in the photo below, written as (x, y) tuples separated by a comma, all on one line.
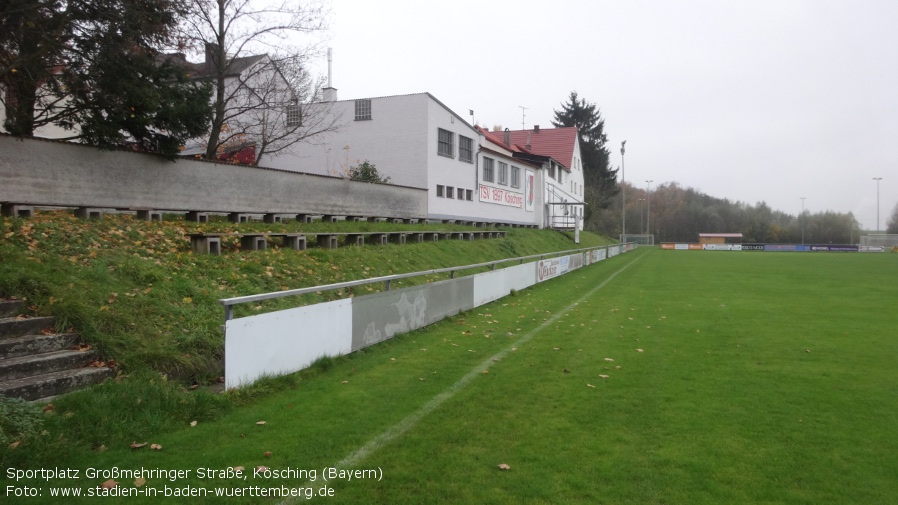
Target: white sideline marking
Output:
[(398, 429)]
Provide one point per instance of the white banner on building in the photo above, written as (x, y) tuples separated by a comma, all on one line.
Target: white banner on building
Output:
[(529, 180), (501, 196)]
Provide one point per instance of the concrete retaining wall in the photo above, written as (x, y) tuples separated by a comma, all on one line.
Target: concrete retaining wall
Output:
[(41, 172)]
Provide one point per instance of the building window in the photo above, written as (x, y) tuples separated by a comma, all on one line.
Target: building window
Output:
[(449, 191), (461, 194), (488, 175), (445, 145), (294, 117), (465, 149), (469, 195), (440, 189), (515, 177), (362, 110), (551, 170), (503, 173)]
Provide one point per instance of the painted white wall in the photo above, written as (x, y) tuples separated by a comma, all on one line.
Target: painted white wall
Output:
[(394, 140)]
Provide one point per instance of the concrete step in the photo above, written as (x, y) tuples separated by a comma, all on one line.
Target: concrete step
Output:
[(13, 347), (55, 383), (11, 308), (44, 363), (18, 326)]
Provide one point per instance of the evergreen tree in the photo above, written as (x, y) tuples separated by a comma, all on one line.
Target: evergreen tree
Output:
[(100, 73), (599, 179)]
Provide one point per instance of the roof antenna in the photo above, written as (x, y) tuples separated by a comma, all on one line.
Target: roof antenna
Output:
[(523, 115)]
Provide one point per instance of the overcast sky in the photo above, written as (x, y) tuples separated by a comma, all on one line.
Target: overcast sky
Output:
[(750, 100)]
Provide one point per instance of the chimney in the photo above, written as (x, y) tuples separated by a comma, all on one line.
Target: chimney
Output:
[(329, 92), (507, 138), (212, 54), (528, 146), (536, 128)]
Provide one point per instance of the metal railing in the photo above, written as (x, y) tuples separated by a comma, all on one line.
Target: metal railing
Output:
[(229, 303)]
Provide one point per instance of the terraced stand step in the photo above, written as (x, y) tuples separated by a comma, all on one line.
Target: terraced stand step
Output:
[(11, 308), (14, 347), (44, 363), (56, 383), (18, 326)]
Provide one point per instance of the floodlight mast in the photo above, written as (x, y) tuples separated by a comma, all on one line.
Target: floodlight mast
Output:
[(648, 212), (623, 193), (877, 179)]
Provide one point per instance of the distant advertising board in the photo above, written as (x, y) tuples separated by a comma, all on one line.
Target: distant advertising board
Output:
[(501, 196), (546, 269), (786, 247), (835, 248), (723, 247), (576, 261), (752, 247)]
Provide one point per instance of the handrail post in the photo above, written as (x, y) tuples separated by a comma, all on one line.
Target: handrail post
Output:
[(229, 313), (387, 285)]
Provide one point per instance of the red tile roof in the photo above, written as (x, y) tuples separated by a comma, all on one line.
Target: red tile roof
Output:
[(558, 143)]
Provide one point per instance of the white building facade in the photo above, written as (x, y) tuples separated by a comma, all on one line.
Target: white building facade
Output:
[(418, 142)]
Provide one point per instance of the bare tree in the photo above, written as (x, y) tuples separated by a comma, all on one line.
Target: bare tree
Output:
[(263, 93)]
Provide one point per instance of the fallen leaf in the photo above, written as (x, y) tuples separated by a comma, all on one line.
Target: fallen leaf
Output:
[(590, 386), (139, 482), (603, 376), (239, 468), (15, 444), (638, 350), (192, 423), (135, 445), (48, 407), (109, 484), (267, 454), (262, 468), (261, 423), (503, 466), (345, 382), (156, 447), (608, 359)]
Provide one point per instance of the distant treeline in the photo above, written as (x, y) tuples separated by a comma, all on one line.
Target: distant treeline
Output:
[(679, 214)]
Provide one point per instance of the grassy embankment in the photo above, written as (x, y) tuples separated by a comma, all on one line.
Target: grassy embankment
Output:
[(135, 291)]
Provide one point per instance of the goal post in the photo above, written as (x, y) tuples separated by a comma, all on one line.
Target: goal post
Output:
[(879, 241), (638, 238)]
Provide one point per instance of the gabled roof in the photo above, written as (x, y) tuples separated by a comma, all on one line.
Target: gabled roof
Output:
[(236, 66), (557, 143)]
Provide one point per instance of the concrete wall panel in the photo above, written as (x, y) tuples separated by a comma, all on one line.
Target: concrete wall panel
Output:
[(381, 316), (286, 341), (40, 172)]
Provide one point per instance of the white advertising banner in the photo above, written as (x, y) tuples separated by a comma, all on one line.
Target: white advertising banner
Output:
[(499, 196)]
